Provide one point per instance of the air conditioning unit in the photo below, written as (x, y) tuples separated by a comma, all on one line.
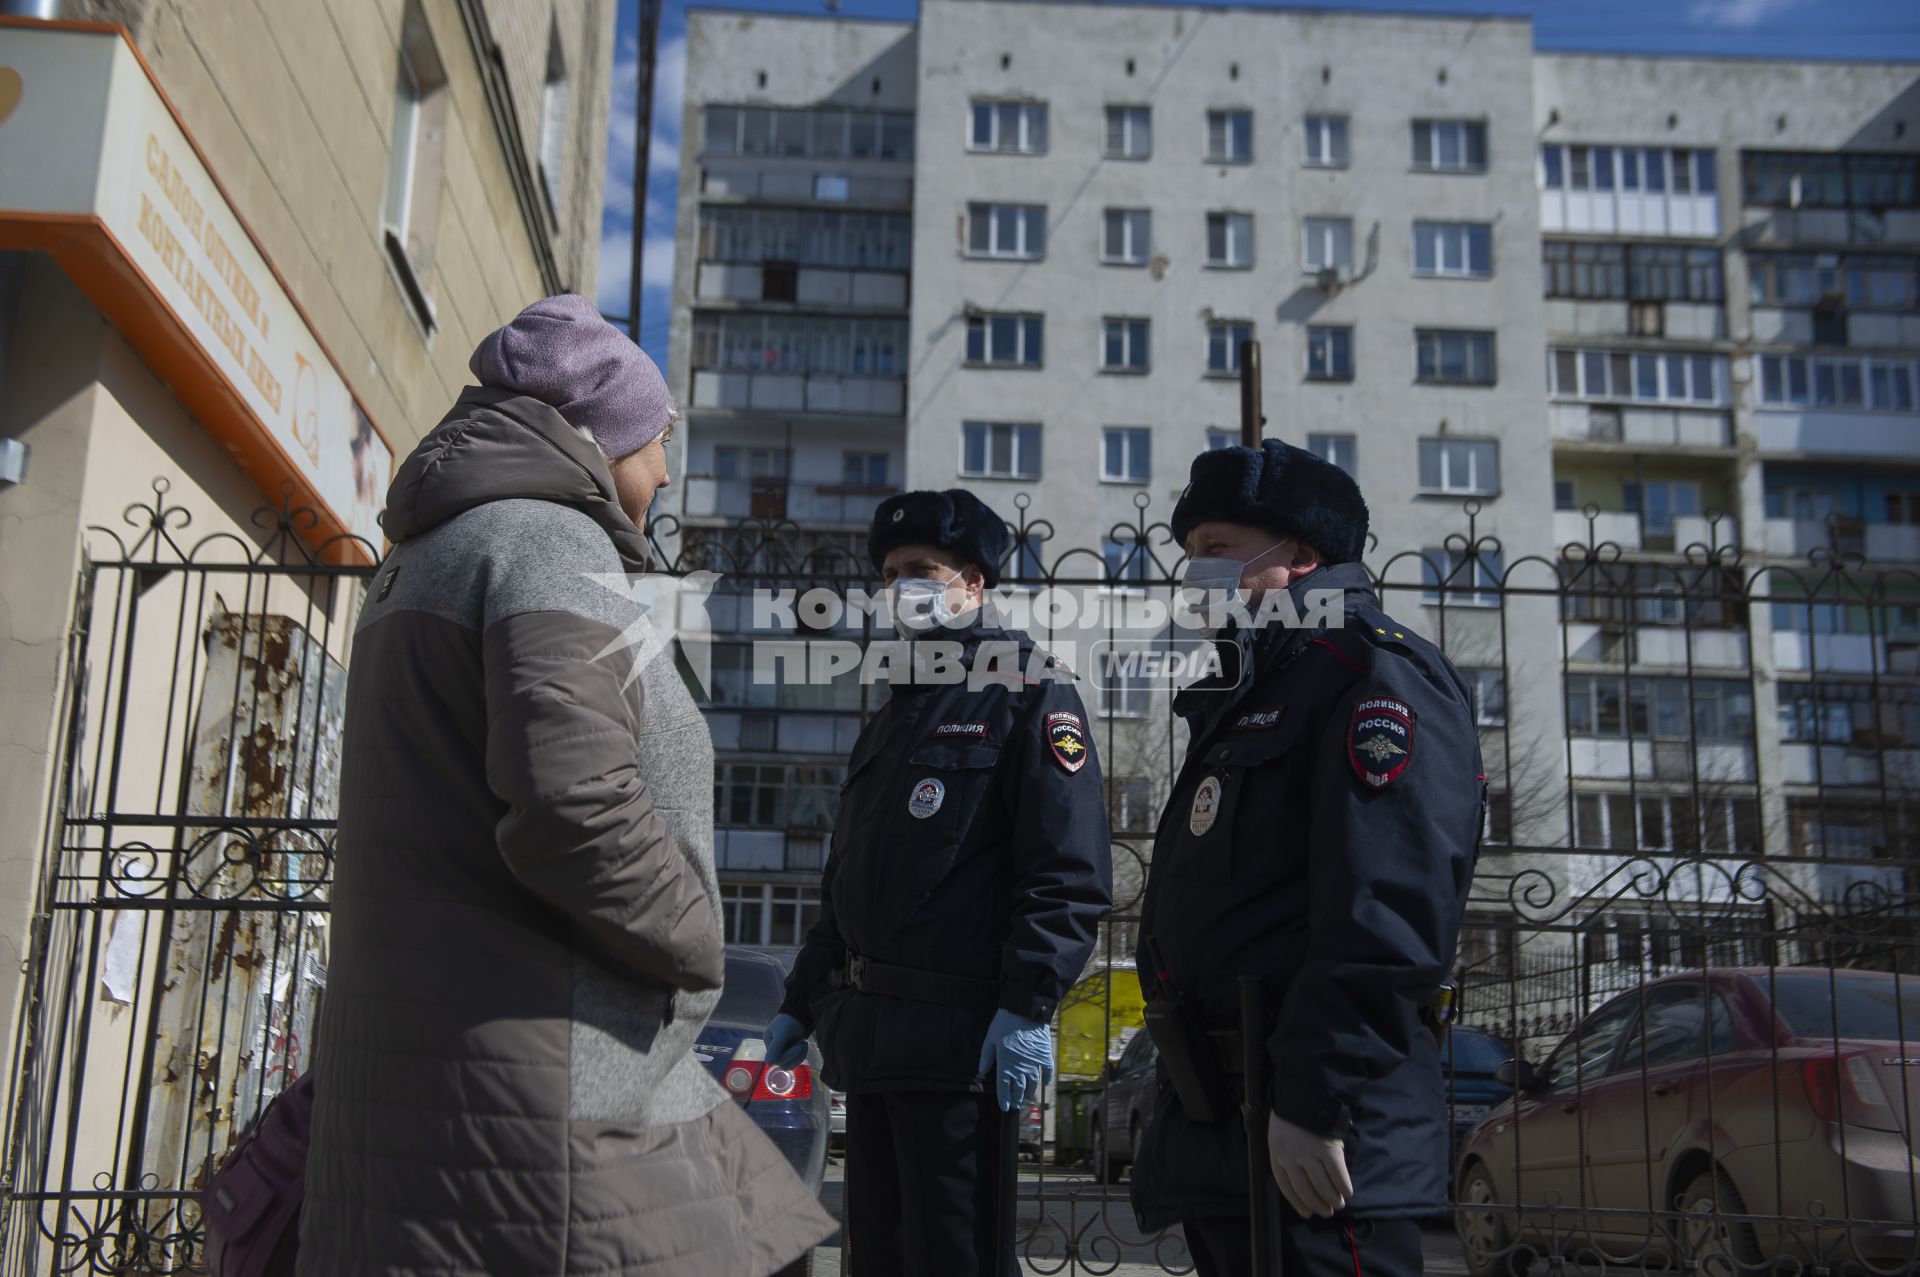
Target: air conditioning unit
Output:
[(1647, 319), (1603, 425)]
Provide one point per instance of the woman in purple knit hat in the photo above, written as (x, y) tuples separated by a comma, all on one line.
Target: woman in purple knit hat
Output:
[(526, 925)]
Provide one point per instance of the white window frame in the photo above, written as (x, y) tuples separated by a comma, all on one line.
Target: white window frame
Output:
[(1234, 228), (1326, 141), (1327, 242), (1794, 381), (553, 124), (1472, 338), (1136, 236), (1331, 331), (1028, 329), (851, 457), (1451, 248), (1023, 437), (1479, 678), (1471, 455), (1669, 389), (1134, 697), (1225, 118), (1133, 120), (1218, 439), (1126, 333), (1031, 215), (1217, 328), (1437, 128), (1482, 589), (1341, 450), (1136, 445), (1030, 127), (735, 895)]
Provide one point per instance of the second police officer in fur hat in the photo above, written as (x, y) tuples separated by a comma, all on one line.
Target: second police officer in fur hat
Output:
[(970, 865), (1321, 833)]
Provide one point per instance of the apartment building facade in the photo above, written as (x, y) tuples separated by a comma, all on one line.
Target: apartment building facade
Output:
[(1407, 214)]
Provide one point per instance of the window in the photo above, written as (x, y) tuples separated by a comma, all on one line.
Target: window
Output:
[(1453, 357), (1223, 346), (864, 469), (1831, 179), (1904, 508), (1460, 249), (1683, 1022), (1469, 581), (1608, 705), (1327, 244), (806, 237), (1229, 137), (1496, 829), (997, 450), (1129, 132), (1121, 693), (1450, 146), (1129, 236), (1338, 450), (1553, 173), (1126, 563), (1659, 504), (1696, 380), (553, 123), (1326, 142), (1005, 341), (1230, 240), (776, 795), (1218, 439), (1124, 347), (1126, 455), (1582, 1059), (1563, 495), (1329, 354), (760, 914), (1631, 272), (1133, 812), (1488, 689), (1879, 385), (830, 188), (1460, 466), (410, 211), (740, 342), (1007, 230), (1862, 282), (827, 133), (1655, 822), (1015, 127)]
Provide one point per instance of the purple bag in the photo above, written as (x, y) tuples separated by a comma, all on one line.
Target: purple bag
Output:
[(251, 1206)]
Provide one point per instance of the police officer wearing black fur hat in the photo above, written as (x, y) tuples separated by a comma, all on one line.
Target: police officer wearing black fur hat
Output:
[(1321, 834), (969, 868)]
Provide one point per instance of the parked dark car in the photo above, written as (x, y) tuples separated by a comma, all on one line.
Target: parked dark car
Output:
[(1759, 1092), (790, 1105), (1469, 1062), (1116, 1121)]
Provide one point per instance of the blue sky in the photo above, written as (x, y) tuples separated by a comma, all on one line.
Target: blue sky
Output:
[(1754, 28)]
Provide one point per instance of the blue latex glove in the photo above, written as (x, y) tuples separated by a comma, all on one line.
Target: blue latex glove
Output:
[(786, 1041), (1019, 1055)]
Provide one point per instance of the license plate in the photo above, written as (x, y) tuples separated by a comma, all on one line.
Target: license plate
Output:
[(1469, 1114)]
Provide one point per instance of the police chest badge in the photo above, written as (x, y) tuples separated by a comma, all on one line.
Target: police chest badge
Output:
[(926, 799), (1380, 740), (1206, 806), (1068, 740)]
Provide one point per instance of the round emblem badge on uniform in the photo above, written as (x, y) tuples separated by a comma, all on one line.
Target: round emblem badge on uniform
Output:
[(927, 797), (1206, 806)]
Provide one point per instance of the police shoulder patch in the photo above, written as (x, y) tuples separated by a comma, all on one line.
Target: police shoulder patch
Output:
[(1067, 738), (1380, 740)]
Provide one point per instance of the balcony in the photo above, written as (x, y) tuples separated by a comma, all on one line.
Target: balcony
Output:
[(1642, 427), (1808, 764), (1611, 320), (1829, 433), (1619, 528), (802, 286), (1796, 650), (1623, 212), (1793, 326), (770, 850), (771, 731), (804, 184), (1618, 646), (1606, 758), (806, 503), (1876, 542), (847, 395)]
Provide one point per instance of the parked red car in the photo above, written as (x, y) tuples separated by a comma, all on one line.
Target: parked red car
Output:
[(1769, 1092)]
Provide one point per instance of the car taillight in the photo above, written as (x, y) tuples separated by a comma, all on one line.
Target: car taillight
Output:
[(1843, 1088), (754, 1080), (1033, 1112)]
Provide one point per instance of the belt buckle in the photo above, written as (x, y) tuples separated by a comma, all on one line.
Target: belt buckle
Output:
[(856, 970)]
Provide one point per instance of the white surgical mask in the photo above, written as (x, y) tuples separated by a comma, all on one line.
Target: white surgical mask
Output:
[(1215, 575), (920, 604)]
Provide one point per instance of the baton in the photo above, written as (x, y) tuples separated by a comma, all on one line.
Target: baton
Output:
[(1007, 1157), (1262, 1202)]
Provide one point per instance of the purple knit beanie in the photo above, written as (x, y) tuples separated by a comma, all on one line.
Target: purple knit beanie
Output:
[(560, 351)]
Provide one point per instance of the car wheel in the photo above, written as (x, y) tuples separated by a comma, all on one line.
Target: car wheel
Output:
[(1709, 1242), (1486, 1240), (1097, 1144)]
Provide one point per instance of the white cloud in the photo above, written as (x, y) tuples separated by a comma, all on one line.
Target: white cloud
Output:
[(616, 252), (1736, 15), (656, 263)]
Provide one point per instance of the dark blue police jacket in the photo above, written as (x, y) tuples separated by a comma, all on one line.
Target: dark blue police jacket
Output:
[(1322, 833), (971, 841)]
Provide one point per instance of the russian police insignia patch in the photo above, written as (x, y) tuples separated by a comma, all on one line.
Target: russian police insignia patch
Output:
[(1067, 737), (1380, 740)]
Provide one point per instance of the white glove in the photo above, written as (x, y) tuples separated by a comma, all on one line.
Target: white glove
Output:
[(1310, 1169)]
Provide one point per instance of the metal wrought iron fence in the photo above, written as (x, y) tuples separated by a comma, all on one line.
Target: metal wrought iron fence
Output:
[(1702, 844)]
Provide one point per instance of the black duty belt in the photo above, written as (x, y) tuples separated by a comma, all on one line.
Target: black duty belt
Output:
[(915, 985)]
